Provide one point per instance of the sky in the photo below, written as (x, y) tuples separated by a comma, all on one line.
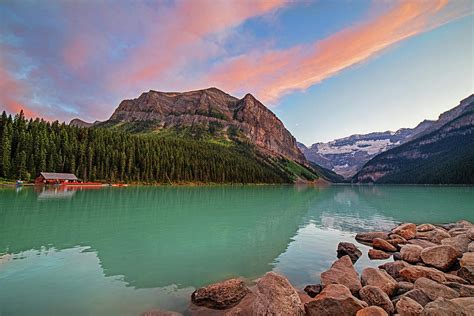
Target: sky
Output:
[(327, 68)]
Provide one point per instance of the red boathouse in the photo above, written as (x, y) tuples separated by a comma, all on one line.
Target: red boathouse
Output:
[(56, 178)]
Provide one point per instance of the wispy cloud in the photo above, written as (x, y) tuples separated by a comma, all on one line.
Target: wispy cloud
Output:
[(274, 73)]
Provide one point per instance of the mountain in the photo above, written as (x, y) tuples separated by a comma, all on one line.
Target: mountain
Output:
[(441, 154), (346, 156), (80, 123), (209, 110)]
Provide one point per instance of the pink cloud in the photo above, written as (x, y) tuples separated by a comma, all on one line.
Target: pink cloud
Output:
[(271, 74)]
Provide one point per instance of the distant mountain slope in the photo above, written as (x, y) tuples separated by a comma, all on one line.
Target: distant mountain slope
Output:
[(210, 110), (442, 154), (80, 123), (346, 156)]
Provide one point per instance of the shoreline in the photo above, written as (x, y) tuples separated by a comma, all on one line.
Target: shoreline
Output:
[(432, 273)]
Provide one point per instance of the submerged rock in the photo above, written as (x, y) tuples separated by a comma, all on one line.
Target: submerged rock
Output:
[(349, 249), (408, 307), (441, 257), (342, 272), (276, 296), (375, 254), (220, 295), (335, 299), (381, 279), (313, 290), (374, 296)]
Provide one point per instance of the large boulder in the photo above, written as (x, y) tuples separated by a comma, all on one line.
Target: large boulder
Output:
[(464, 290), (441, 257), (457, 231), (435, 235), (411, 253), (335, 299), (408, 307), (413, 273), (379, 278), (404, 287), (470, 233), (443, 307), (342, 272), (406, 230), (417, 295), (470, 247), (367, 237), (434, 289), (349, 249), (421, 242), (460, 242), (382, 244), (467, 273), (276, 296), (220, 295), (394, 268), (396, 240), (313, 290), (466, 302), (374, 296), (375, 254), (371, 311), (425, 227), (467, 259)]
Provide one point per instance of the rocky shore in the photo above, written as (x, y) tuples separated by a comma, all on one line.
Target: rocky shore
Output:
[(432, 275)]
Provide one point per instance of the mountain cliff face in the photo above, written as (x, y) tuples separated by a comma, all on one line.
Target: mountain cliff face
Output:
[(442, 153), (212, 108), (346, 156)]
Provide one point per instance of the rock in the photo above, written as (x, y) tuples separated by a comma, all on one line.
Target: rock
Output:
[(434, 289), (457, 231), (342, 272), (394, 268), (417, 295), (395, 239), (374, 296), (371, 311), (435, 235), (408, 307), (464, 224), (447, 226), (470, 247), (349, 249), (470, 233), (466, 302), (369, 236), (407, 230), (313, 290), (425, 227), (276, 296), (220, 295), (404, 287), (335, 299), (467, 259), (467, 273), (421, 242), (381, 279), (413, 273), (454, 278), (460, 242), (463, 289), (411, 253), (443, 307), (441, 257), (156, 312), (381, 244), (375, 254)]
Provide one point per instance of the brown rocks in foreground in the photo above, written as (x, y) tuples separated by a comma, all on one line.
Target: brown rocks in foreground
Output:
[(374, 296), (342, 272), (443, 307), (408, 307), (467, 259), (313, 290), (349, 249), (381, 244), (413, 273), (381, 279), (375, 254), (411, 253), (441, 257), (276, 296), (371, 311), (335, 299), (407, 230), (220, 295), (434, 289)]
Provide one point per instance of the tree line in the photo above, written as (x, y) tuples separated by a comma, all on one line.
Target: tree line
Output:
[(31, 146)]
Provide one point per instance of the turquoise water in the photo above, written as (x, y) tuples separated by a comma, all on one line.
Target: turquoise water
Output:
[(122, 251)]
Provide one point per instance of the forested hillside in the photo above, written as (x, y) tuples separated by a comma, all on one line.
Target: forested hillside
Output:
[(31, 146)]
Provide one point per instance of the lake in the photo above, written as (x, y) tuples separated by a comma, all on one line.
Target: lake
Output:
[(122, 251)]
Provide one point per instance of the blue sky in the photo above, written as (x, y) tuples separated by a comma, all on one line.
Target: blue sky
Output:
[(328, 69)]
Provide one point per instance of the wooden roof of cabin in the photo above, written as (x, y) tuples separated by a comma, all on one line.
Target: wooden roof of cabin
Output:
[(58, 176)]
